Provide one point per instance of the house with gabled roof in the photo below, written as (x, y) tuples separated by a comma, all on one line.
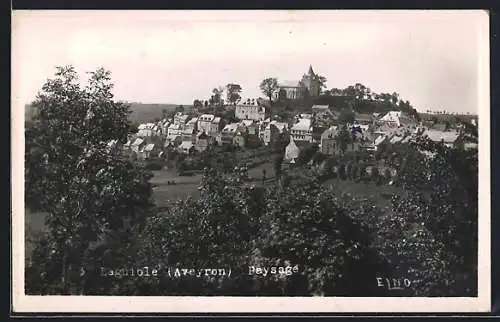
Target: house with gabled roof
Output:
[(302, 130), (148, 151), (186, 147), (137, 145)]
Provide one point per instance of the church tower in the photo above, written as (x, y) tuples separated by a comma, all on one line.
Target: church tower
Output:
[(311, 72), (310, 80)]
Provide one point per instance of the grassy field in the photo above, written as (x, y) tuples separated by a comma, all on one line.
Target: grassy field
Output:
[(187, 186)]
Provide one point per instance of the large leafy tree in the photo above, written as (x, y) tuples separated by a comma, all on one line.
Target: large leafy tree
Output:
[(269, 87), (215, 231), (233, 92), (216, 100), (91, 194), (438, 215)]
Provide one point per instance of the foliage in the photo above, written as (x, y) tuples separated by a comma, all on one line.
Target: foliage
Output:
[(216, 99), (343, 138), (442, 203), (363, 100), (198, 104), (179, 109), (346, 116), (319, 157), (154, 165), (91, 193), (305, 226), (233, 93), (269, 87), (307, 154), (277, 164), (348, 170), (355, 171), (342, 171), (375, 175)]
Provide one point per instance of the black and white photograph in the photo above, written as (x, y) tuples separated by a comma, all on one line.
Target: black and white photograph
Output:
[(319, 160)]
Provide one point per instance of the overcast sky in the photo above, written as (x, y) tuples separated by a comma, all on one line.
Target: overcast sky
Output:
[(429, 58)]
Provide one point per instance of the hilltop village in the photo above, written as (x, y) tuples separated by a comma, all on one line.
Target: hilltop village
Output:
[(327, 180), (330, 130)]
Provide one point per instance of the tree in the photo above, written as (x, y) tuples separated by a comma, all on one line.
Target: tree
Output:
[(93, 196), (394, 98), (348, 170), (343, 138), (363, 174), (269, 87), (442, 201), (233, 93), (164, 113), (134, 128), (216, 99), (306, 154), (179, 109), (307, 226), (319, 157), (346, 116), (342, 171), (336, 92), (321, 81), (277, 165), (355, 171), (375, 175), (387, 175), (197, 104)]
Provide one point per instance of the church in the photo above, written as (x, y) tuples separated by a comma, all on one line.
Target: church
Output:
[(309, 85)]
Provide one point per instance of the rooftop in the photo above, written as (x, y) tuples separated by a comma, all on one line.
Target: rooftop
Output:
[(231, 128), (186, 145), (320, 107), (302, 125), (138, 141), (149, 147), (287, 83)]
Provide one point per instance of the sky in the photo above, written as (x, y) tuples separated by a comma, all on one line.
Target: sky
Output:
[(431, 58)]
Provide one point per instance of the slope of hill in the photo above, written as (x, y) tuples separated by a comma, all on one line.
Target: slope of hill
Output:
[(140, 112)]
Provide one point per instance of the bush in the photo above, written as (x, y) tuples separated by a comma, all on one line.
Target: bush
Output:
[(387, 175), (363, 174), (154, 165), (342, 172), (375, 175), (355, 172), (348, 170)]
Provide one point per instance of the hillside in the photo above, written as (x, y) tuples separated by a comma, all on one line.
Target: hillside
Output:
[(140, 112)]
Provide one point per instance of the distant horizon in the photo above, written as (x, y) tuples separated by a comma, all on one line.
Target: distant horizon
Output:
[(431, 59), (177, 104)]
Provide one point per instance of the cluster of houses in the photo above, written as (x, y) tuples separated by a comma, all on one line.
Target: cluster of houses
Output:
[(188, 133), (369, 132)]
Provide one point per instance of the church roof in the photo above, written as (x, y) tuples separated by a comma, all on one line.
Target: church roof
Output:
[(288, 83)]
